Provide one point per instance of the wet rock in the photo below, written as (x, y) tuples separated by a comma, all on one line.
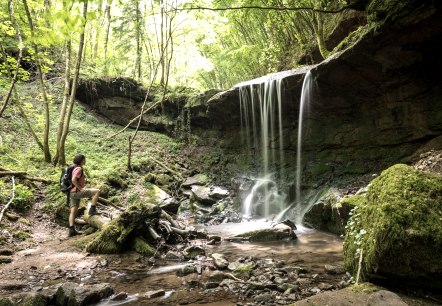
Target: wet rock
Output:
[(199, 179), (193, 251), (155, 294), (211, 285), (120, 296), (74, 294), (264, 298), (385, 298), (202, 195), (219, 193), (218, 276), (327, 214), (330, 269), (278, 232), (173, 256), (219, 261), (186, 270)]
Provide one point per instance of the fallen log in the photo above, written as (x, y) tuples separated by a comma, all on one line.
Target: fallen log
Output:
[(116, 235)]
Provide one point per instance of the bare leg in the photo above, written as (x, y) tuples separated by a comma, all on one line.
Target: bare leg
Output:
[(96, 193), (72, 215)]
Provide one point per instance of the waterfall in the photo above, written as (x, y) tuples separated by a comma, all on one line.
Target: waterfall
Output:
[(261, 123), (261, 113), (305, 98)]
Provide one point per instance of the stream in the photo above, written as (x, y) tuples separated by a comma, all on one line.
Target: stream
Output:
[(311, 251)]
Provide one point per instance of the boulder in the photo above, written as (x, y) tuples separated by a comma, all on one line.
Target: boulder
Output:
[(328, 213), (198, 179), (280, 231), (396, 226), (74, 294)]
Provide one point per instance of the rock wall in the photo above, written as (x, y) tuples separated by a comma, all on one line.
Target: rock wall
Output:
[(374, 103)]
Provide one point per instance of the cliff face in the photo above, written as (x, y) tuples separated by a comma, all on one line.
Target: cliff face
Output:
[(373, 104)]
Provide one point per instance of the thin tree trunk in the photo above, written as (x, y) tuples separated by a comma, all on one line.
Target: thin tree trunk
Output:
[(106, 41), (20, 55), (46, 151), (62, 116), (62, 157), (138, 36)]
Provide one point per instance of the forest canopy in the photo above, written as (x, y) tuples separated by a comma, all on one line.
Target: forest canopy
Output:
[(202, 43)]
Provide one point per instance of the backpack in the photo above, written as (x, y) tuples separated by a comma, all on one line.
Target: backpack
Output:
[(66, 179)]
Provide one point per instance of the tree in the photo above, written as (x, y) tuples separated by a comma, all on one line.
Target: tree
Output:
[(70, 104), (41, 82)]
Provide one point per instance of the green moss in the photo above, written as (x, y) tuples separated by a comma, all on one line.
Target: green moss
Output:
[(20, 235), (36, 300), (397, 224), (142, 247), (354, 37), (83, 242), (5, 301), (244, 271), (106, 242), (23, 199)]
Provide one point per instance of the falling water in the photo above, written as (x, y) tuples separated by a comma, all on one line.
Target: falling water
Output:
[(261, 120), (305, 98)]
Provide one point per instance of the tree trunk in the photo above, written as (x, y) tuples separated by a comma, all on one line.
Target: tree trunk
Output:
[(20, 55), (62, 157), (106, 41), (46, 151), (62, 116)]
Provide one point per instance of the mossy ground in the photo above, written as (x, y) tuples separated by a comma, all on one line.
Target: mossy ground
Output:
[(397, 225)]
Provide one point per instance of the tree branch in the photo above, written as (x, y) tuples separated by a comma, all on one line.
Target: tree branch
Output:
[(267, 8), (10, 201)]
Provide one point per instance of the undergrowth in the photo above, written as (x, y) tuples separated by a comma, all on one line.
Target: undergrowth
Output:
[(91, 135)]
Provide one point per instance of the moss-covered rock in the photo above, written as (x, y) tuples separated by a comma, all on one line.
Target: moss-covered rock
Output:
[(397, 226)]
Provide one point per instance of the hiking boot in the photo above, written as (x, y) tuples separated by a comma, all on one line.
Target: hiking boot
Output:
[(92, 211), (73, 231)]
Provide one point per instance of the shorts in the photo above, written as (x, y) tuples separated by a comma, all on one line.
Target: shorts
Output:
[(75, 197)]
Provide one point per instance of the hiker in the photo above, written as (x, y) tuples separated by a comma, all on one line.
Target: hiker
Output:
[(79, 191)]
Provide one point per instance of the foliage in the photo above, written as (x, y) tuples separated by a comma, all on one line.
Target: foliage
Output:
[(23, 199), (401, 211)]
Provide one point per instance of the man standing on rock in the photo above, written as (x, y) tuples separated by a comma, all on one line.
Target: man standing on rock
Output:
[(79, 191)]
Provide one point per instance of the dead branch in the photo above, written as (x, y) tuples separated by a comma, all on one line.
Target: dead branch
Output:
[(21, 174), (173, 172), (106, 202), (10, 201), (179, 231), (12, 173), (153, 233), (169, 218)]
